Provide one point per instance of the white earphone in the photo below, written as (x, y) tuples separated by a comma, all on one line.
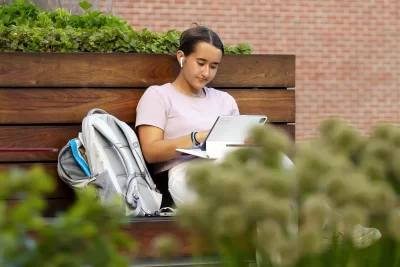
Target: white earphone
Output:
[(181, 61)]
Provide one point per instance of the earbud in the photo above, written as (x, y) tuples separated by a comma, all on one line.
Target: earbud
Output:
[(181, 61)]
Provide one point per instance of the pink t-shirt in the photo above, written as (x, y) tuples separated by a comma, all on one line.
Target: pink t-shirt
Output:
[(178, 114)]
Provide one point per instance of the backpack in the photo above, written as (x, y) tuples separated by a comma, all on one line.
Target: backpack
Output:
[(107, 155)]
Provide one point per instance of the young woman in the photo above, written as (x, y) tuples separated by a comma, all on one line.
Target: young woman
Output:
[(180, 114)]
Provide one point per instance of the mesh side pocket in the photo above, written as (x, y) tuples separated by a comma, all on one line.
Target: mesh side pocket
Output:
[(105, 188)]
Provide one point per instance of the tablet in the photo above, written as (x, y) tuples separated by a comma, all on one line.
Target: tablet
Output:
[(233, 129)]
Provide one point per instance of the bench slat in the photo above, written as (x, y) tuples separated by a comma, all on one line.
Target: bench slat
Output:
[(50, 137), (136, 70), (62, 105)]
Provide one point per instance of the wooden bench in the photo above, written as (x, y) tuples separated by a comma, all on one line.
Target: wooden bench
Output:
[(45, 96)]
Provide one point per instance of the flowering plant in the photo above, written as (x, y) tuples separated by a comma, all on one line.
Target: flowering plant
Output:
[(330, 209)]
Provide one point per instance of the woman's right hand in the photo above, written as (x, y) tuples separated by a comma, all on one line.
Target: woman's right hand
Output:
[(201, 136), (156, 149)]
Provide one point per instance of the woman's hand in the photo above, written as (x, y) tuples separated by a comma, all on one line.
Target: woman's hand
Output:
[(201, 136)]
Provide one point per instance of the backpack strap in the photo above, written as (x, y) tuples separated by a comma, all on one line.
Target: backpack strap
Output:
[(105, 130), (137, 153), (96, 111), (131, 196)]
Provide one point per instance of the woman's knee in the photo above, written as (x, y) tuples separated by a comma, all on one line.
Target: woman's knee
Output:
[(177, 186)]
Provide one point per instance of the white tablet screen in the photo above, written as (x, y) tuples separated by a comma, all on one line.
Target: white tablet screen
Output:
[(235, 128)]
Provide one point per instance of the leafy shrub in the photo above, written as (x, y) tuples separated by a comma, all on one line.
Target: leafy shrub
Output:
[(25, 27), (87, 234)]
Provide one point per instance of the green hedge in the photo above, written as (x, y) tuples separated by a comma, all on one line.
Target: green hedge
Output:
[(25, 27)]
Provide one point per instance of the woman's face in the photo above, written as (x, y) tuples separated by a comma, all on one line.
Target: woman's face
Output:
[(200, 67)]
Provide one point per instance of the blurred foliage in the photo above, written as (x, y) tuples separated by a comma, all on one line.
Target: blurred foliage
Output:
[(249, 207), (87, 234), (27, 28)]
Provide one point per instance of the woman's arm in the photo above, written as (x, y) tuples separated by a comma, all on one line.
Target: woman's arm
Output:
[(156, 149)]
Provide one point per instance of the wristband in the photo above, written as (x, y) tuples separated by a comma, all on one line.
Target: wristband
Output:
[(194, 137), (194, 141)]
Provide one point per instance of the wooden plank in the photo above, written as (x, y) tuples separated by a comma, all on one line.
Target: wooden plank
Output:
[(18, 69), (35, 137), (277, 105), (47, 106), (19, 106), (50, 137), (146, 230)]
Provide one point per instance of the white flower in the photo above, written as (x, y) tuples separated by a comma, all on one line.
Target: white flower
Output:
[(311, 240), (269, 236), (352, 216), (229, 221), (316, 208)]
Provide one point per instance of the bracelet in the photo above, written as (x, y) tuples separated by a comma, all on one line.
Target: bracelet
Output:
[(194, 137), (194, 141)]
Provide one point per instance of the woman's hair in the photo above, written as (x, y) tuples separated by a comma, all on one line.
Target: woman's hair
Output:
[(192, 36)]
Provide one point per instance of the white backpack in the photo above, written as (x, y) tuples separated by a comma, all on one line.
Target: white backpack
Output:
[(107, 155)]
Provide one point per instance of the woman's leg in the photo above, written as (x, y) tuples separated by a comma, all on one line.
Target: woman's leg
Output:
[(177, 183), (161, 181)]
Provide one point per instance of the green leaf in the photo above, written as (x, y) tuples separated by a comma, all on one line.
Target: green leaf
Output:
[(21, 21), (19, 2), (5, 18), (85, 5)]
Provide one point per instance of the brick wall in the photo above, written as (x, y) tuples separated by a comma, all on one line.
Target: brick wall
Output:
[(348, 52)]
